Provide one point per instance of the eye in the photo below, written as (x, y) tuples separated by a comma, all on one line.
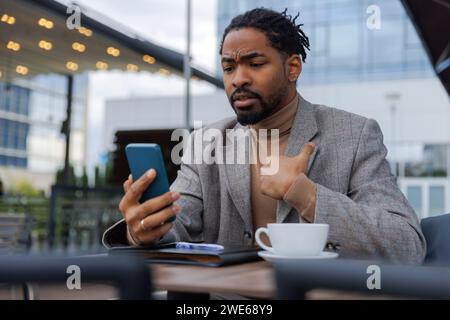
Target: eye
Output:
[(228, 69), (256, 65)]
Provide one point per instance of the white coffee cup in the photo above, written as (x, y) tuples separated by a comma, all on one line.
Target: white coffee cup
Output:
[(294, 239)]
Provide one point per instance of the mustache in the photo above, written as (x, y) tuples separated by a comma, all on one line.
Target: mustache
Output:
[(248, 92)]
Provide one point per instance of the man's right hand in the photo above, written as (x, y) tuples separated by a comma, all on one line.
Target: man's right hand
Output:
[(146, 221)]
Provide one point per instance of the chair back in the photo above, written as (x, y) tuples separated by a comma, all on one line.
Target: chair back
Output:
[(437, 235), (131, 276)]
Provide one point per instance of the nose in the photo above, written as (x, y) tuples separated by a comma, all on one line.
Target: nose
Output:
[(241, 78)]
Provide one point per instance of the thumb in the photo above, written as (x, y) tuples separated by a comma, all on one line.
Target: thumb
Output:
[(127, 184), (307, 150)]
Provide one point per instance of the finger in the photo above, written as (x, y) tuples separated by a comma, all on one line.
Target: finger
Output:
[(155, 234), (137, 188), (307, 149), (263, 184), (157, 219), (133, 192), (127, 184), (156, 204), (272, 165), (132, 218)]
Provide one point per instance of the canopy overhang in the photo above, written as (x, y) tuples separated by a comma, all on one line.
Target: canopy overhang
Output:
[(35, 39)]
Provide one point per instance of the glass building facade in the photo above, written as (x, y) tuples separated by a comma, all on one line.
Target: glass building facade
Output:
[(14, 127), (31, 114), (345, 44)]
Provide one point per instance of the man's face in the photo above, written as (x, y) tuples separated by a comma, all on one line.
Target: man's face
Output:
[(254, 75)]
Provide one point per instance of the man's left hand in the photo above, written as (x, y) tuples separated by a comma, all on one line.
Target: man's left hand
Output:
[(276, 185)]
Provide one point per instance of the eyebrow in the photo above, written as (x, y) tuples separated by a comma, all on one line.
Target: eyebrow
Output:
[(247, 56)]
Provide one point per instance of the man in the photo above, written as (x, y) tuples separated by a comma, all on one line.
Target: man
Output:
[(331, 166)]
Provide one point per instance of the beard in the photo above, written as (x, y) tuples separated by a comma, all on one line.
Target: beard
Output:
[(260, 111)]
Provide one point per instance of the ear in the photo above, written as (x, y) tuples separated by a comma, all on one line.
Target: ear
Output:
[(293, 67)]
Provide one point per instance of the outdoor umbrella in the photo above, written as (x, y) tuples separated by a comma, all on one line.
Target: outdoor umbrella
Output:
[(432, 21)]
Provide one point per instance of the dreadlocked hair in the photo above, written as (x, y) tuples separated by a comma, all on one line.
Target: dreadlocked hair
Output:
[(280, 28)]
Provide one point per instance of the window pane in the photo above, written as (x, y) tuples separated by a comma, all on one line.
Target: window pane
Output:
[(344, 44), (320, 40), (346, 10), (389, 8), (437, 201), (414, 195), (388, 44)]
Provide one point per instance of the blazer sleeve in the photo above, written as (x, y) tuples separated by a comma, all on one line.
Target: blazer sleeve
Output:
[(374, 218), (188, 225)]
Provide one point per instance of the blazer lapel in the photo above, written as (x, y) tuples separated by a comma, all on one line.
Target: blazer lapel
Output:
[(238, 177), (304, 129)]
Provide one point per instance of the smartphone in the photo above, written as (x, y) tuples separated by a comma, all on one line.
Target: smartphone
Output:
[(143, 157)]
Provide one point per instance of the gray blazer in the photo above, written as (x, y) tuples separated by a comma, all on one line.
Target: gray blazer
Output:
[(356, 194)]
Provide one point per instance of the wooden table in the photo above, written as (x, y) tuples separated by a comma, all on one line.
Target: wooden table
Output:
[(250, 279)]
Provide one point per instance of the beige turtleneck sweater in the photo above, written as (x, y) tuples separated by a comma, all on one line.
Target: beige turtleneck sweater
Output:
[(301, 195)]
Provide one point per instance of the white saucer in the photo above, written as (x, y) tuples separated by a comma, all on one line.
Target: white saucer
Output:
[(269, 256)]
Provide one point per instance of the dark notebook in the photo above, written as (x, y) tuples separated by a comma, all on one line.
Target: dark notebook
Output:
[(171, 253)]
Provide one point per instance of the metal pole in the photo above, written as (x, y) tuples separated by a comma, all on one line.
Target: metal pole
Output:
[(393, 98), (52, 218), (394, 138), (67, 127), (187, 66)]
